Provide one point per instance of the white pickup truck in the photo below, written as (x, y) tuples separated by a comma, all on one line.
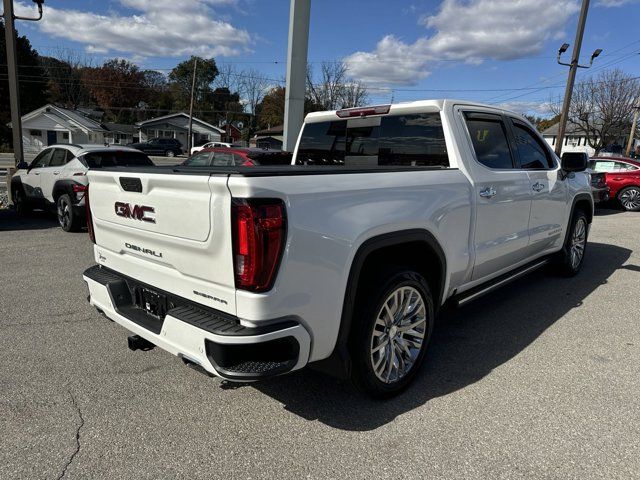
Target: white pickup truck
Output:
[(342, 259)]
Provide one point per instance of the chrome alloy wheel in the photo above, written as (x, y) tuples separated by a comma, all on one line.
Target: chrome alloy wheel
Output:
[(64, 213), (630, 199), (398, 334), (578, 242)]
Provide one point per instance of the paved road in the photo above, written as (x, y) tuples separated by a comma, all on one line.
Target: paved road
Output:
[(539, 380)]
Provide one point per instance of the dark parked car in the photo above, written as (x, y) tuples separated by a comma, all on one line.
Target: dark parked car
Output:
[(169, 147), (237, 157)]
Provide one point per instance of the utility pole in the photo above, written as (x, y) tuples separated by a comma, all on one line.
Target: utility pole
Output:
[(299, 15), (634, 125), (193, 87), (573, 68), (12, 66)]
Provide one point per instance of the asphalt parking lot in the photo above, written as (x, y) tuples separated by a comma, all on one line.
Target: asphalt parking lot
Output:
[(538, 380)]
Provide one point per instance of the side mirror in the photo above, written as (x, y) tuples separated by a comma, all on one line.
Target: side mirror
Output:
[(22, 165), (574, 161)]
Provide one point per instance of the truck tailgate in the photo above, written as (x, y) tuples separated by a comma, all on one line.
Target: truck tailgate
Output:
[(172, 232)]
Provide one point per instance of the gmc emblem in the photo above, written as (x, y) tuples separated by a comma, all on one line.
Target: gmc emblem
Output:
[(137, 212)]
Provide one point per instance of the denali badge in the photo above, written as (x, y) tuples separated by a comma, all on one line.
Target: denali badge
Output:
[(137, 212), (143, 250)]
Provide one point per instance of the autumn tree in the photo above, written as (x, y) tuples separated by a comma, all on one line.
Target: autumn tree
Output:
[(117, 87)]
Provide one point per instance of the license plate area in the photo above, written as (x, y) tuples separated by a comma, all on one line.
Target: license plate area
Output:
[(151, 302)]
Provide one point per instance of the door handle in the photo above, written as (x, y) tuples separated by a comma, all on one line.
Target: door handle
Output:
[(488, 192), (36, 173), (56, 173), (617, 179), (538, 187)]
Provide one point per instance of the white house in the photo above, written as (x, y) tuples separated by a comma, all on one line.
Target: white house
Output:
[(576, 141), (51, 124), (176, 125)]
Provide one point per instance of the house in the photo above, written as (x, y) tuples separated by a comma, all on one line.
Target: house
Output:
[(576, 141), (120, 134), (232, 131), (272, 138), (51, 124), (176, 125)]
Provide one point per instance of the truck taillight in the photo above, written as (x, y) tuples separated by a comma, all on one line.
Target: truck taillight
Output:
[(259, 235), (87, 207)]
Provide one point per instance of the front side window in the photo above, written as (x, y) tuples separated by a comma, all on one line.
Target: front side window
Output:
[(533, 155), (489, 138), (609, 166), (42, 160), (392, 140)]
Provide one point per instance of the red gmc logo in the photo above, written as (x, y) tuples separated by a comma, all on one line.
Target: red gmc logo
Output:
[(137, 212)]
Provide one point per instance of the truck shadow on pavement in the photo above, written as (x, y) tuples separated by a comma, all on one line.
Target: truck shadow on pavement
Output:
[(10, 220), (467, 345)]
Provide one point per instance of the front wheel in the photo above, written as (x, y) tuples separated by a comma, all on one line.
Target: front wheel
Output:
[(394, 321), (630, 199), (170, 153), (571, 256), (67, 218)]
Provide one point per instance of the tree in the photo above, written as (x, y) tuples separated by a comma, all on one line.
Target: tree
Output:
[(32, 78), (602, 107), (334, 89), (181, 77), (271, 110), (65, 77), (253, 87)]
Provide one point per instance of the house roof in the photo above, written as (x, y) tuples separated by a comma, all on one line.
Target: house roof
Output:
[(121, 128), (178, 114), (71, 119), (553, 130), (277, 130)]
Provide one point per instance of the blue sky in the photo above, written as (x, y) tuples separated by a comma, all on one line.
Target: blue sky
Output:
[(401, 49)]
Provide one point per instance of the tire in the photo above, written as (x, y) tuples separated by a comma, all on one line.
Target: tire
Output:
[(20, 202), (170, 153), (378, 345), (67, 217), (629, 199), (571, 257)]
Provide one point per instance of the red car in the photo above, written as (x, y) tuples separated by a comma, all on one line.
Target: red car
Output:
[(237, 157), (622, 177)]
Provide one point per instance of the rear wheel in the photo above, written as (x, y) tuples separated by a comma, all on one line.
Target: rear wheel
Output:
[(20, 202), (630, 199), (394, 321), (170, 153), (572, 255), (67, 218)]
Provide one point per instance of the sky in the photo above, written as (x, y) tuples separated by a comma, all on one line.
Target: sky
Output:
[(494, 51)]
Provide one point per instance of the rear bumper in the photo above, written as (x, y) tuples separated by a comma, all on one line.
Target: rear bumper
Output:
[(213, 340)]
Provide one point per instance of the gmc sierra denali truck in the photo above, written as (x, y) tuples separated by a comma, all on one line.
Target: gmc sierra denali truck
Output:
[(342, 259)]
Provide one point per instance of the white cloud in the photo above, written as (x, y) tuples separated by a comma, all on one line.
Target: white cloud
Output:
[(614, 3), (171, 28), (543, 109), (467, 31)]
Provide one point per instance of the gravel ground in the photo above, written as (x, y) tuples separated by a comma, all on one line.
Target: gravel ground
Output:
[(538, 380)]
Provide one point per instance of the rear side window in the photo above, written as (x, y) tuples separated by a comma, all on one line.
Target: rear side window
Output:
[(199, 160), (533, 155), (116, 159), (59, 158), (393, 140), (489, 138)]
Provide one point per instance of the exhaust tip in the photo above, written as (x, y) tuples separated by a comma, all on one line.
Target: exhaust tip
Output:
[(136, 342)]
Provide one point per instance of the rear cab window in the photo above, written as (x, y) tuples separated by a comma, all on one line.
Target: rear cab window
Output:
[(116, 158), (393, 140)]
